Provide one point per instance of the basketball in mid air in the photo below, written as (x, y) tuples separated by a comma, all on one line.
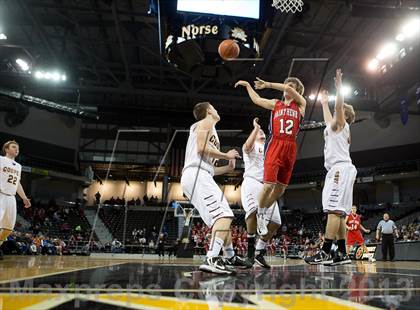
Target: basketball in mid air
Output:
[(229, 49)]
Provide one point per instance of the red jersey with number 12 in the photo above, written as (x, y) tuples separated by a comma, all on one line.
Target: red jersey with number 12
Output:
[(285, 120)]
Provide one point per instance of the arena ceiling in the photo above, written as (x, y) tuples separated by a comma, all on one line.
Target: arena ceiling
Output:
[(110, 52)]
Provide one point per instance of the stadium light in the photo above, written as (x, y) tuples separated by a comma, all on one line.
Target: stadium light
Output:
[(400, 37), (22, 64), (387, 50), (332, 98), (54, 76), (39, 75), (373, 64), (312, 97), (3, 36), (346, 90), (411, 28)]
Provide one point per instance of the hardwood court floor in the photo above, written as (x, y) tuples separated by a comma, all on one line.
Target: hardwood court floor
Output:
[(70, 282)]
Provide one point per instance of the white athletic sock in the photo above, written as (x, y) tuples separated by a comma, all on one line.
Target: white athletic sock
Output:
[(229, 251), (250, 235), (261, 244), (216, 244)]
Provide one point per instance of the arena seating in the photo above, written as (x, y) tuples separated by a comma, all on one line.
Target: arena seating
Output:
[(137, 219)]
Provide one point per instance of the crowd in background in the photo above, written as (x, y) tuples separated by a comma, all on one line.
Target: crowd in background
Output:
[(410, 232), (288, 238), (54, 229), (146, 201), (46, 218)]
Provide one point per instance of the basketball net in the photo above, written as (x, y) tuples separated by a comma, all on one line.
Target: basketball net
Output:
[(288, 5)]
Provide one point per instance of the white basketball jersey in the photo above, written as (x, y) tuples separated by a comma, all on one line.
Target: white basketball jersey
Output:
[(254, 162), (9, 175), (337, 146), (193, 158)]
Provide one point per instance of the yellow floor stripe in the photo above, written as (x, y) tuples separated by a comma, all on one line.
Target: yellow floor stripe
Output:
[(135, 301), (160, 302), (313, 302), (15, 302)]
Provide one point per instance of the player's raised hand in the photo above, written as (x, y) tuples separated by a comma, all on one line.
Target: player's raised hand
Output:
[(338, 79), (260, 84), (255, 122), (242, 83), (27, 203), (232, 154), (324, 97)]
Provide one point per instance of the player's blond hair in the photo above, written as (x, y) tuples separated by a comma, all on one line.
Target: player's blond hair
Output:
[(7, 144), (299, 85), (349, 113), (200, 110)]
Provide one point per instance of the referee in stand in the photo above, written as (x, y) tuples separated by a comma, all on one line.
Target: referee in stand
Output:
[(386, 228)]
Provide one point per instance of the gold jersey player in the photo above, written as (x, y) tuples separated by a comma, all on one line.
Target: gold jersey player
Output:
[(10, 173), (337, 195), (253, 155), (280, 153), (201, 156)]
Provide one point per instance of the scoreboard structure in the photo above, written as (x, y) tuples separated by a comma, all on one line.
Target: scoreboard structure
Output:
[(190, 39)]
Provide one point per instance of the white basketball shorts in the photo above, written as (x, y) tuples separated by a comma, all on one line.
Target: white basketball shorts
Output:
[(205, 195), (250, 191), (337, 194), (7, 212)]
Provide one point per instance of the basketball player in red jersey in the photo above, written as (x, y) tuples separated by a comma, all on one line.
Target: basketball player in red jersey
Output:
[(354, 235), (280, 153)]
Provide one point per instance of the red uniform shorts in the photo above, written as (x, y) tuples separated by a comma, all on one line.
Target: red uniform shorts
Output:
[(355, 236), (280, 158)]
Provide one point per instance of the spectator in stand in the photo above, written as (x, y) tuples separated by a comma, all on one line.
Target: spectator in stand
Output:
[(33, 249), (161, 246), (116, 246), (320, 240), (119, 201), (78, 229), (151, 246), (145, 199), (154, 233), (97, 197), (143, 241), (138, 202), (173, 249)]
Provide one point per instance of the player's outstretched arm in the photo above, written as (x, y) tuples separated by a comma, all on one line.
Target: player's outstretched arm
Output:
[(22, 195), (364, 229), (300, 100), (225, 169), (203, 147), (339, 119), (249, 143), (328, 118), (268, 104)]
